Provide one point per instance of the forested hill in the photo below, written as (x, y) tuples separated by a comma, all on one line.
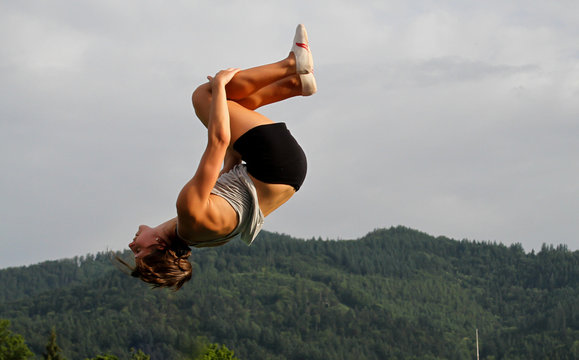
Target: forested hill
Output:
[(394, 294)]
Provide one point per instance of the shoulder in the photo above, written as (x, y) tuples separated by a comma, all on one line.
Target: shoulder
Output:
[(216, 219)]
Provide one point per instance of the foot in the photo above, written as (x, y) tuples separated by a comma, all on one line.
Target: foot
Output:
[(302, 53), (309, 86)]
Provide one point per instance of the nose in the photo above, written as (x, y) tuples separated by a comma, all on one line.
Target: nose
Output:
[(132, 243)]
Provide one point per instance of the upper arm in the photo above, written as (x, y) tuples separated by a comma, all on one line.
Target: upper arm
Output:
[(194, 197)]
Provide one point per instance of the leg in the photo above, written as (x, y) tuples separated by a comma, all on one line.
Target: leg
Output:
[(248, 81), (282, 89), (242, 118), (299, 61), (244, 84), (255, 87), (247, 94), (266, 84)]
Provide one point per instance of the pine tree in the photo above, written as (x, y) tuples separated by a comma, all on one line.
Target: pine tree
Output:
[(52, 348)]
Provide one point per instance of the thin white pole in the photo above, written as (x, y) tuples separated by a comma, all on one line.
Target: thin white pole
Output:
[(477, 358)]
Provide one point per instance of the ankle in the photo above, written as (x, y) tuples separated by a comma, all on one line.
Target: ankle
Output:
[(290, 63)]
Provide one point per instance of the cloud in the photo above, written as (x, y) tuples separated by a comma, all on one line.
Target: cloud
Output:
[(455, 119)]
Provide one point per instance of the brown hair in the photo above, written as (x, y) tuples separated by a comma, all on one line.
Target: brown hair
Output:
[(169, 267)]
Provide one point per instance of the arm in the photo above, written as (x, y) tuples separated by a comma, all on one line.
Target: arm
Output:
[(194, 197)]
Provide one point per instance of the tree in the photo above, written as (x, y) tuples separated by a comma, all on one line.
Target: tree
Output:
[(52, 348), (139, 355), (217, 352), (12, 346), (104, 357)]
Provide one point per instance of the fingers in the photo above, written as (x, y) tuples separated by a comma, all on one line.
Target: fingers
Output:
[(230, 70), (224, 76), (233, 70), (228, 74)]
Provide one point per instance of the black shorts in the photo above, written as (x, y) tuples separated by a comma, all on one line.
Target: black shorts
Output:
[(272, 155)]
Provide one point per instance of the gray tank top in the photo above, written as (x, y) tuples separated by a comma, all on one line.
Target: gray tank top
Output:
[(237, 188)]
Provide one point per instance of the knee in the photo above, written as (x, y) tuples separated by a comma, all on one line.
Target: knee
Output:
[(201, 100), (201, 96)]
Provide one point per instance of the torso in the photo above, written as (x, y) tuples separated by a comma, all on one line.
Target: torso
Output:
[(272, 196), (221, 219)]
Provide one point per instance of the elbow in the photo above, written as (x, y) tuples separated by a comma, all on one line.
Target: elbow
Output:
[(220, 138)]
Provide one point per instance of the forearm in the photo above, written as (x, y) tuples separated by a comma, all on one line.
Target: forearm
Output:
[(218, 127)]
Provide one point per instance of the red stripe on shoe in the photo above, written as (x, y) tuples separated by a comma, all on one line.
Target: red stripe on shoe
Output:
[(302, 45)]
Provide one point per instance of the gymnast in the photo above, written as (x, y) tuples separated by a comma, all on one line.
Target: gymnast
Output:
[(250, 167)]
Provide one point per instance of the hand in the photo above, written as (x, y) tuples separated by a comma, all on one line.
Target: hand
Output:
[(223, 77)]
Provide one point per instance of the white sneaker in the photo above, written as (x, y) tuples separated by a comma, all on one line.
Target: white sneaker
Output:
[(309, 86), (301, 50)]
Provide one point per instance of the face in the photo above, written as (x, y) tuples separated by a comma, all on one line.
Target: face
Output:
[(145, 241)]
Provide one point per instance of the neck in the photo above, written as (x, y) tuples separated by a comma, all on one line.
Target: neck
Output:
[(167, 230)]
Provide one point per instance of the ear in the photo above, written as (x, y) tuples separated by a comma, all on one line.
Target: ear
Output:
[(161, 244)]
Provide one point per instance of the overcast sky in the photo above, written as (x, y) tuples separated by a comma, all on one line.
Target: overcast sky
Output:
[(456, 118)]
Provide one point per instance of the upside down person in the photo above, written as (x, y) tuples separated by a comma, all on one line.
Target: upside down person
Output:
[(250, 167)]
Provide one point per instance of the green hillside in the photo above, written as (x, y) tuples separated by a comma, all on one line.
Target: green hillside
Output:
[(394, 294)]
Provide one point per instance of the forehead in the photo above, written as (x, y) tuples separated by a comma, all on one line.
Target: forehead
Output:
[(147, 234)]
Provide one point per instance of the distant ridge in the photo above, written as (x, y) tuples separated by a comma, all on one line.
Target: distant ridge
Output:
[(393, 293)]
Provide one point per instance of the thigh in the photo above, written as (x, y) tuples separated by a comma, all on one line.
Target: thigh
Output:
[(241, 119)]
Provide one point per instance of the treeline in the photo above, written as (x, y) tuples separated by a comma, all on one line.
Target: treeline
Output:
[(13, 347), (394, 294)]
